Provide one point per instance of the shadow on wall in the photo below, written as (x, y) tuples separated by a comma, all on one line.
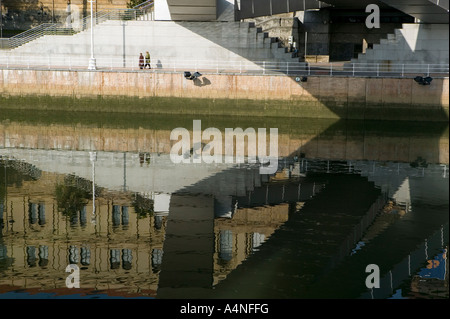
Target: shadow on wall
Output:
[(203, 82)]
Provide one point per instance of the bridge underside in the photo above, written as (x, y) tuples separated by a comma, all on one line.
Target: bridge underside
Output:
[(427, 11)]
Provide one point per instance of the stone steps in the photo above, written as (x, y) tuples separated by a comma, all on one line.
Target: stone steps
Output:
[(413, 43)]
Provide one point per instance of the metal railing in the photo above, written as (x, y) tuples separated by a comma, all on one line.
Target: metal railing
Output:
[(143, 10), (245, 67)]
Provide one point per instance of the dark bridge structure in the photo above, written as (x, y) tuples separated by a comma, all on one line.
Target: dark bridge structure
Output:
[(427, 11)]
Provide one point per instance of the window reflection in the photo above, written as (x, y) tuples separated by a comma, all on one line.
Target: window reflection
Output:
[(114, 258), (125, 216), (31, 256), (120, 216), (3, 253), (116, 215), (43, 256), (226, 245), (85, 256), (257, 240), (74, 256), (41, 214), (126, 259), (157, 255), (158, 222), (83, 215), (32, 213)]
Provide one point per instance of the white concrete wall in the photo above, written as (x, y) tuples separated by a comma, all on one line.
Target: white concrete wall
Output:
[(162, 10), (186, 10)]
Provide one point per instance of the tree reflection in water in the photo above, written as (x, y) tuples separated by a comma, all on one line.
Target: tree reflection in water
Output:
[(72, 195)]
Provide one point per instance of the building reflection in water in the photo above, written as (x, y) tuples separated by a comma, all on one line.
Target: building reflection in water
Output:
[(124, 250)]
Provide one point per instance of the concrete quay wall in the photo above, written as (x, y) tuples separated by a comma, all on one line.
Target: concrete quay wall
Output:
[(234, 94)]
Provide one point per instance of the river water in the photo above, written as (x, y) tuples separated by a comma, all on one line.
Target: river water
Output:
[(354, 210)]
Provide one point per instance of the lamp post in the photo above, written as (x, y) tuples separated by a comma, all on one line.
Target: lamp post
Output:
[(92, 62)]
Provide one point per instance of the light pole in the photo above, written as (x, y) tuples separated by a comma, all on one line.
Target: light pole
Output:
[(92, 63)]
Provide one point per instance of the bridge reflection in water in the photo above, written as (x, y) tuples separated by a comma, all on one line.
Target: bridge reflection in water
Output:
[(177, 231)]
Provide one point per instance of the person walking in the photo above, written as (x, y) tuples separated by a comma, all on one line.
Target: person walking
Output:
[(141, 61), (147, 60)]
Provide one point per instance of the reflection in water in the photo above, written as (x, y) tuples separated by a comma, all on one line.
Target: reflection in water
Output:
[(162, 230)]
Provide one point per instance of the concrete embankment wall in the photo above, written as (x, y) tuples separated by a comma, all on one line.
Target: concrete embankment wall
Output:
[(229, 94)]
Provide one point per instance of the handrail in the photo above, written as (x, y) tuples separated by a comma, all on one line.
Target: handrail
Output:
[(244, 67), (144, 4)]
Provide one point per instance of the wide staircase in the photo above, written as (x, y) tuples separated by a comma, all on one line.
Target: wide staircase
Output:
[(417, 48)]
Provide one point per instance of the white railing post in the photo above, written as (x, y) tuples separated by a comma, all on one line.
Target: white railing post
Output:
[(403, 70), (353, 69), (309, 69), (378, 69), (428, 70), (331, 69), (264, 68), (287, 68)]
